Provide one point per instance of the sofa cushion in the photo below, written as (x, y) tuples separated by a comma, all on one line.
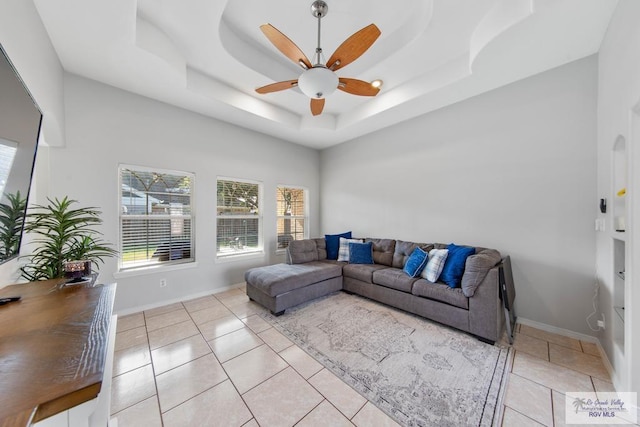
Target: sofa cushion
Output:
[(476, 269), (321, 245), (281, 278), (440, 292), (301, 251), (343, 252), (333, 243), (454, 265), (383, 250), (416, 262), (362, 272), (402, 252), (361, 253), (435, 264), (393, 278)]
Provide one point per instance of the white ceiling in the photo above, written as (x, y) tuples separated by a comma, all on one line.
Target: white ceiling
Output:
[(209, 56)]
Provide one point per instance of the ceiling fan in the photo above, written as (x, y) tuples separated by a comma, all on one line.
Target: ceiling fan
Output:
[(319, 80)]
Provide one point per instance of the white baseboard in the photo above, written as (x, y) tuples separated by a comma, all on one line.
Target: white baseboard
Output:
[(559, 331), (138, 309), (572, 334)]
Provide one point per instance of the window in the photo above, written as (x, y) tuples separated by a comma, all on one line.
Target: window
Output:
[(239, 218), (7, 153), (291, 205), (156, 217)]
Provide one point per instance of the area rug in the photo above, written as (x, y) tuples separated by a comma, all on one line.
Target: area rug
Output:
[(419, 372)]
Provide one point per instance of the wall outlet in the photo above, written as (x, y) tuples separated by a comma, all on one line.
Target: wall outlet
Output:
[(601, 322), (163, 283)]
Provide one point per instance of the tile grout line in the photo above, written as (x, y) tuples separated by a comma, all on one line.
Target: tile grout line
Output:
[(183, 307), (228, 378), (526, 416), (324, 398), (553, 409), (308, 380), (561, 366), (360, 409), (553, 413), (153, 372), (153, 369), (253, 416), (312, 409), (192, 397), (327, 398), (155, 385)]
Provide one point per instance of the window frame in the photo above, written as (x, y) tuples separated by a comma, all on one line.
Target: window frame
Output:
[(304, 217), (221, 256), (170, 264)]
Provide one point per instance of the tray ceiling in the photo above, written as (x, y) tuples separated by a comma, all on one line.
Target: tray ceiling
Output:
[(210, 56)]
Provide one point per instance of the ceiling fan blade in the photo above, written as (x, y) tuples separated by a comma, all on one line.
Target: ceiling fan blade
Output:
[(317, 105), (357, 87), (353, 47), (285, 45), (276, 87)]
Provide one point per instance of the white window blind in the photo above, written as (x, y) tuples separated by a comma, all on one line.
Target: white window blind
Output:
[(156, 217), (7, 154), (239, 217), (291, 206)]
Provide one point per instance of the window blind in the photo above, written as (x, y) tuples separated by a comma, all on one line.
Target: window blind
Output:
[(239, 217), (7, 154), (156, 217), (291, 212)]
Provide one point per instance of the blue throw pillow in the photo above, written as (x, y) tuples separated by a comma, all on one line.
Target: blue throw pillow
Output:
[(416, 262), (361, 253), (333, 243), (454, 265)]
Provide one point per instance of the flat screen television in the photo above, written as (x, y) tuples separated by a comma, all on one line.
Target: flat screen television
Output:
[(20, 122)]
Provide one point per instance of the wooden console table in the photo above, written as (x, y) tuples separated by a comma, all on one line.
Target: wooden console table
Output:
[(53, 348)]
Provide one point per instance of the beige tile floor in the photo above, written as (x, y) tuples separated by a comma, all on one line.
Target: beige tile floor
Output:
[(213, 361), (545, 367)]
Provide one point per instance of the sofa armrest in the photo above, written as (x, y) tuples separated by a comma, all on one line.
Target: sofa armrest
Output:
[(476, 269), (486, 318)]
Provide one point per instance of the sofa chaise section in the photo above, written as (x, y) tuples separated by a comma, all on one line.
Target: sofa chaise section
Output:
[(281, 286)]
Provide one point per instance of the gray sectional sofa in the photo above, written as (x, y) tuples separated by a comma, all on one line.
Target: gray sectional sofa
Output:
[(475, 307)]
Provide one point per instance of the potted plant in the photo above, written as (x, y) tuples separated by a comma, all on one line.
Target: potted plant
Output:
[(11, 221), (63, 234)]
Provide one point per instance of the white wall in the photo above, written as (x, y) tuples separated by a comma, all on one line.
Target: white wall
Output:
[(618, 95), (107, 126), (27, 44), (513, 169)]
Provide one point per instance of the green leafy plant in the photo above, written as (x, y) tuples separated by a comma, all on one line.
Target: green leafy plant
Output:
[(63, 234), (11, 221)]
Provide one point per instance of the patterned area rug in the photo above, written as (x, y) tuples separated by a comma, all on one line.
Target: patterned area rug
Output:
[(419, 372)]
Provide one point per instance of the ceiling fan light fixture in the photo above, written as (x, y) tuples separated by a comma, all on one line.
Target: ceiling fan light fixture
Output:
[(377, 83), (318, 82)]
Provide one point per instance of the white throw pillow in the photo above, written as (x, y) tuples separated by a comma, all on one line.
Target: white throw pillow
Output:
[(343, 251), (434, 267)]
